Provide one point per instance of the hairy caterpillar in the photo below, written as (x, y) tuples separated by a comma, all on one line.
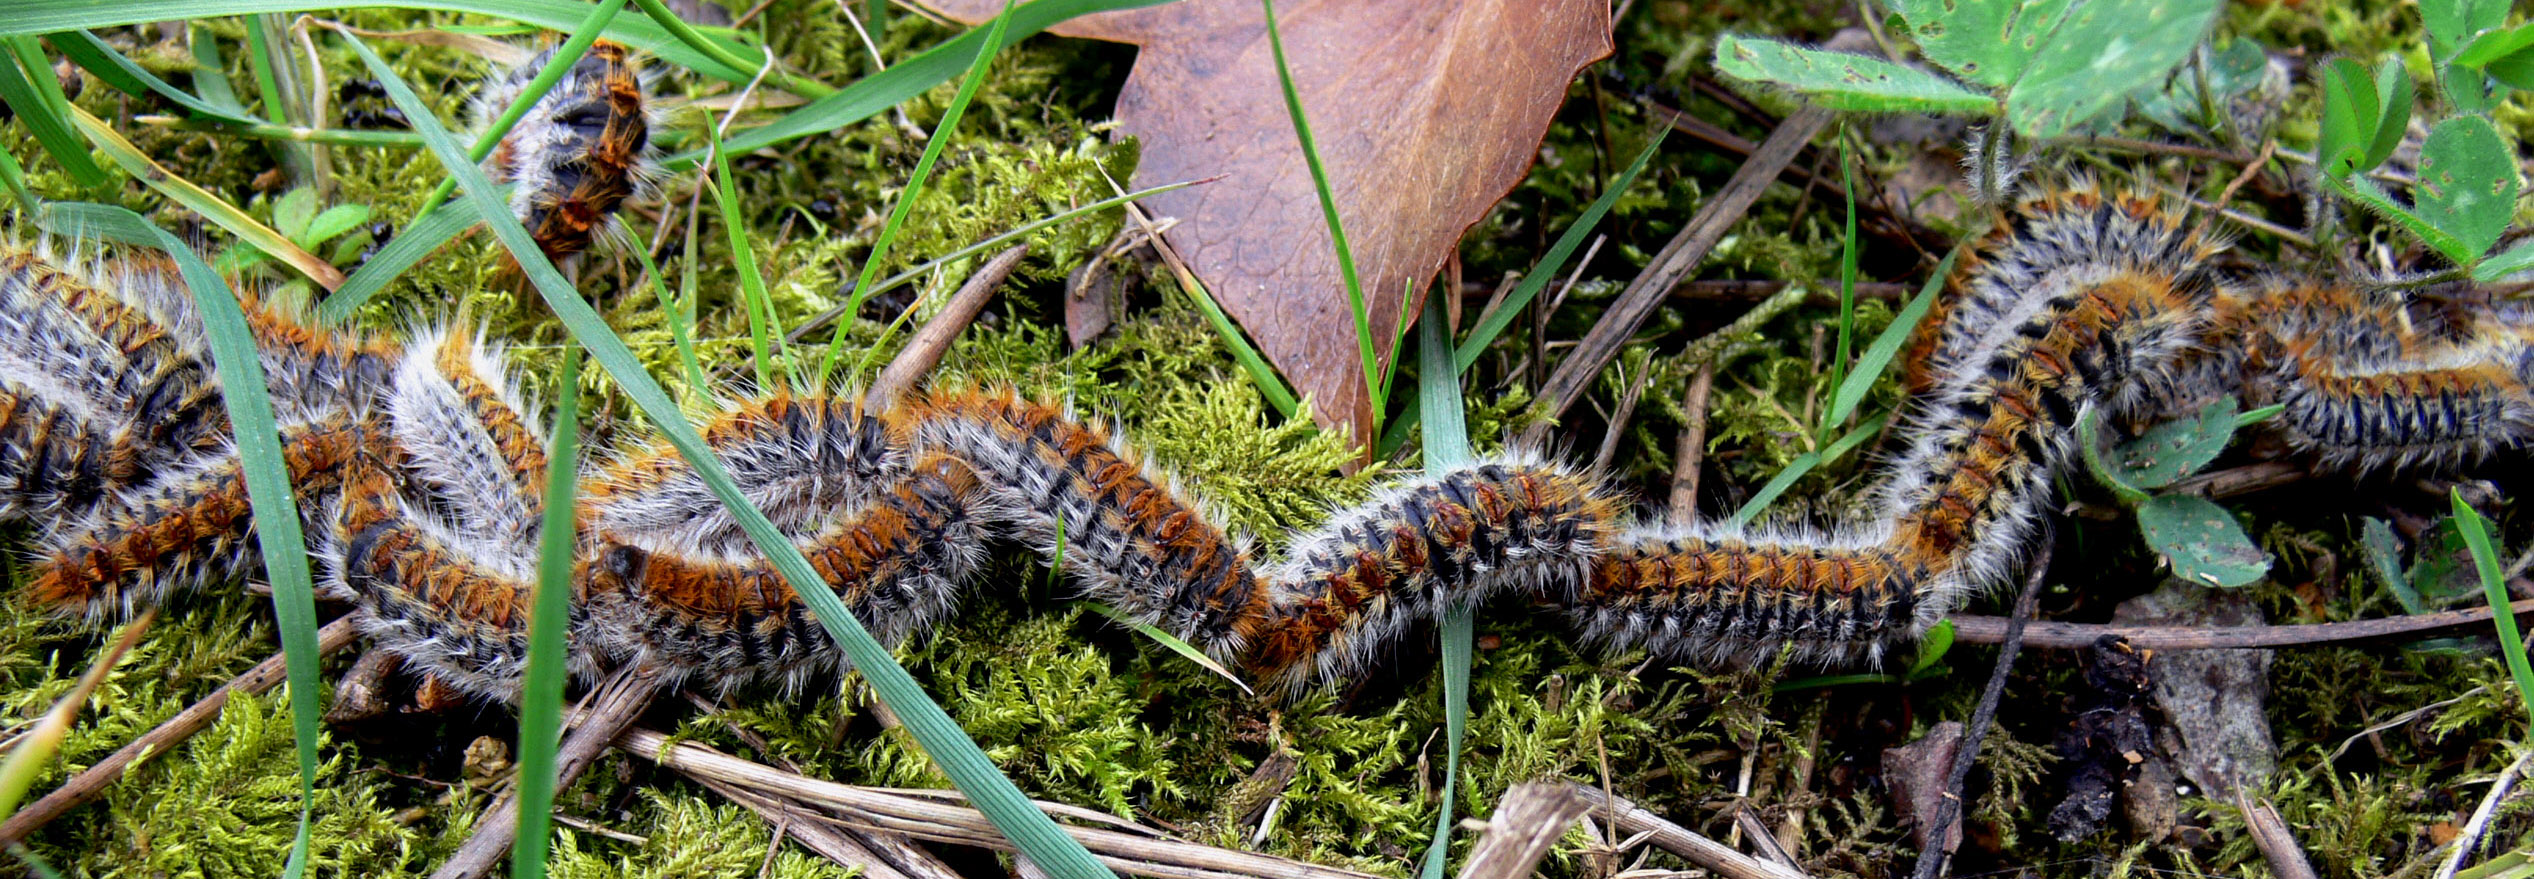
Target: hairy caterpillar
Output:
[(2088, 303), (579, 153)]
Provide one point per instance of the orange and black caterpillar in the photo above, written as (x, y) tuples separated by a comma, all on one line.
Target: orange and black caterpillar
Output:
[(2089, 304), (579, 153)]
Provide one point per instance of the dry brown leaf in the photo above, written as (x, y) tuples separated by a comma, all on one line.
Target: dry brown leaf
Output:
[(1425, 114)]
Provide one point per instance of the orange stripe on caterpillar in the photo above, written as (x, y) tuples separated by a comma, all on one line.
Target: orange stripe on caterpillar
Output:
[(190, 527)]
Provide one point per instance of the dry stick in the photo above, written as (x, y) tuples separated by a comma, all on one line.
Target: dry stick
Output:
[(2199, 230), (92, 783), (2480, 822), (1529, 818), (1691, 455), (617, 703), (2271, 836), (1753, 291), (1762, 839), (1674, 262), (834, 843), (930, 343), (2072, 636), (1670, 837), (1933, 858), (927, 818)]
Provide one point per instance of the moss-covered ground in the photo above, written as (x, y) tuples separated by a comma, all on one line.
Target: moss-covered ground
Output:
[(1079, 710)]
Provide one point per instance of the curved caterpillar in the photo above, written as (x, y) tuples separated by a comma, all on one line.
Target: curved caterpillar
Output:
[(579, 153), (428, 504)]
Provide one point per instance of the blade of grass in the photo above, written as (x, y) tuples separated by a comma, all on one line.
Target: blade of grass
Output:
[(1847, 293), (112, 68), (49, 16), (268, 489), (44, 118), (1260, 373), (201, 201), (933, 146), (420, 238), (37, 744), (752, 294), (541, 693), (1887, 346), (878, 92), (269, 59), (287, 134), (722, 53), (1796, 469), (584, 33), (1493, 325), (211, 74), (680, 317), (1328, 210), (1446, 448), (1012, 813), (14, 175), (1166, 639), (2485, 559)]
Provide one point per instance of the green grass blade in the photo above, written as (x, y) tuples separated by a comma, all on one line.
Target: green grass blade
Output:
[(14, 175), (752, 294), (211, 74), (1796, 469), (901, 279), (1328, 213), (541, 694), (37, 743), (1165, 639), (2485, 558), (420, 238), (933, 145), (681, 322), (201, 201), (276, 514), (1260, 373), (1446, 447), (1887, 346), (93, 55), (913, 76), (1003, 804), (49, 16), (722, 52), (584, 33), (48, 121), (1847, 292), (1493, 325)]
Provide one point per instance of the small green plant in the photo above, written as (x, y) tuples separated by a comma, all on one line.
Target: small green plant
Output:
[(2043, 66), (2467, 184), (296, 216), (2202, 541)]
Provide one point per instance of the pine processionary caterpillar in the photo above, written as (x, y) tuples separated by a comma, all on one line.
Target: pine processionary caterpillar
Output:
[(2088, 303), (577, 155)]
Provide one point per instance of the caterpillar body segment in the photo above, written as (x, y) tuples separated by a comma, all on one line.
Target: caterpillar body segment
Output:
[(1127, 536), (466, 433), (898, 562), (1350, 590), (798, 459), (190, 526)]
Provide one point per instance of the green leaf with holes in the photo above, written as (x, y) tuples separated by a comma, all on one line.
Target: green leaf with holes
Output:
[(1841, 81), (2175, 449), (2202, 542), (1985, 41), (2094, 57), (2468, 183)]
